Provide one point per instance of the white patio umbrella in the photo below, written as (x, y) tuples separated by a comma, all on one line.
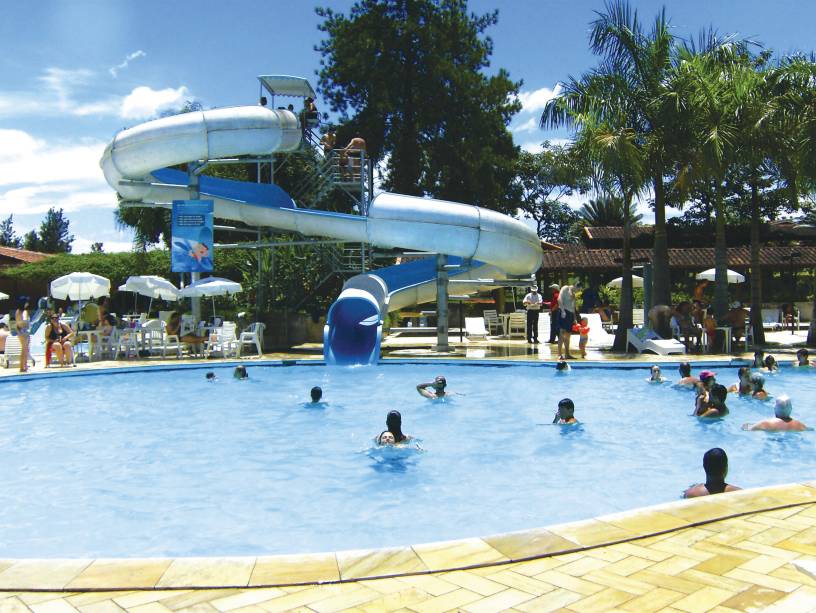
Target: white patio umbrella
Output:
[(80, 286), (210, 287), (151, 286), (709, 275), (636, 282)]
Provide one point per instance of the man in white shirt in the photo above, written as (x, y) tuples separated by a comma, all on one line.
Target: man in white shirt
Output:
[(532, 302)]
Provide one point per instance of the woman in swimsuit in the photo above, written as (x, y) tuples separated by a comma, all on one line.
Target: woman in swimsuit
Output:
[(58, 339), (22, 321)]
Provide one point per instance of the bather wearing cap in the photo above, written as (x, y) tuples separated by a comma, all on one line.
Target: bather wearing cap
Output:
[(782, 420)]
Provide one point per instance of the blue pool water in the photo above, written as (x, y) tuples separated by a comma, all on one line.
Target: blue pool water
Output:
[(162, 463)]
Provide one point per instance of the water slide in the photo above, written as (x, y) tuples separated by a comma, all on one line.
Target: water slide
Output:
[(484, 244)]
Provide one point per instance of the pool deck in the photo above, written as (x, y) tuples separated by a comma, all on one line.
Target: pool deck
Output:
[(742, 551)]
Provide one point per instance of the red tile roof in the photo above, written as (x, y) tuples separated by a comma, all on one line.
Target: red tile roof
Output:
[(577, 258), (615, 232), (23, 255)]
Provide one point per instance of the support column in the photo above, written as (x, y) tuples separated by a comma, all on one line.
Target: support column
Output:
[(442, 303), (647, 291), (194, 194)]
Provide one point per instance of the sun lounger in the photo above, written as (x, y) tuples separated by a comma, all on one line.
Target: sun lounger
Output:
[(12, 352), (646, 339), (475, 328), (598, 336)]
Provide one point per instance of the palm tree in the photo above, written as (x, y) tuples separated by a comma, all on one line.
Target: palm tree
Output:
[(607, 211), (641, 63), (710, 86)]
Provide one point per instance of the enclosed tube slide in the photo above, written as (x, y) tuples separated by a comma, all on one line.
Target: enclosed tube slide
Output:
[(490, 244)]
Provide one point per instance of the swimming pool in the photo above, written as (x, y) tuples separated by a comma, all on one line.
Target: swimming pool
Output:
[(162, 463)]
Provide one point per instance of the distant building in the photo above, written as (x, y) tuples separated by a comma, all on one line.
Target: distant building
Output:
[(10, 257)]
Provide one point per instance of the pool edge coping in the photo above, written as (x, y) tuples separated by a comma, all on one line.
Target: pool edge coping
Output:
[(241, 572)]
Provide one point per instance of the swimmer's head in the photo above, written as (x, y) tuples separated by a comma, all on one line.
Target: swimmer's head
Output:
[(783, 407), (718, 393), (386, 438), (240, 372), (684, 369), (566, 408), (744, 373), (715, 463), (210, 376), (802, 355), (707, 378), (393, 422), (770, 362), (561, 365), (655, 372), (316, 394), (757, 381), (440, 382)]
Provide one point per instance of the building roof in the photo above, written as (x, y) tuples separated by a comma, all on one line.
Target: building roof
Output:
[(615, 232), (579, 258), (24, 256)]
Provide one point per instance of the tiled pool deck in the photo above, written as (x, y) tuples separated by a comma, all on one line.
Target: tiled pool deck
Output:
[(743, 551)]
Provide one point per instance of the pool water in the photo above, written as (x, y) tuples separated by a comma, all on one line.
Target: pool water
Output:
[(163, 463)]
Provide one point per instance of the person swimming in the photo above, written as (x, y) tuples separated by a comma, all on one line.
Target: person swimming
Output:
[(770, 364), (240, 372), (686, 380), (393, 422), (211, 377), (715, 464), (759, 359), (803, 358), (562, 367), (782, 420), (565, 414), (316, 393), (655, 375), (758, 386), (435, 389), (743, 386), (707, 381), (716, 402), (386, 438)]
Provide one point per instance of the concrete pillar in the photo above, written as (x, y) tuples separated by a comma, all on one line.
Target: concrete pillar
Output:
[(442, 303)]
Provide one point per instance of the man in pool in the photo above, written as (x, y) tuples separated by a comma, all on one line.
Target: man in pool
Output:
[(686, 380), (240, 372), (715, 464), (316, 393), (782, 420), (433, 390), (716, 403), (566, 413), (803, 358), (562, 367), (743, 386)]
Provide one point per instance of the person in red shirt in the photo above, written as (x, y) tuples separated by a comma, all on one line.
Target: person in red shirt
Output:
[(553, 306)]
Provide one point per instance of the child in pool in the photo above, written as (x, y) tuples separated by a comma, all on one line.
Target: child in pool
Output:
[(656, 375), (566, 413)]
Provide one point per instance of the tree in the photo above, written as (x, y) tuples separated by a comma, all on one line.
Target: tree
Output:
[(410, 75), (542, 180), (635, 67), (53, 234), (8, 238), (97, 248), (31, 241), (607, 211)]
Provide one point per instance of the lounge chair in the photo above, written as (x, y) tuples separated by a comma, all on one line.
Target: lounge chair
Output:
[(771, 319), (252, 336), (598, 336), (646, 339), (13, 351), (475, 328)]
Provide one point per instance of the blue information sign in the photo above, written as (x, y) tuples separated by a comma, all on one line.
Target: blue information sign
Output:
[(192, 230)]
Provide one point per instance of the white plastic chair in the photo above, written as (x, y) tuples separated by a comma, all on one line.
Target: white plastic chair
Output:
[(13, 351), (253, 335), (109, 345), (475, 328), (492, 321), (517, 325), (222, 340)]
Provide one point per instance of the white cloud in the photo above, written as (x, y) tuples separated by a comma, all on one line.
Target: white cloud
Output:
[(531, 125), (535, 101), (63, 95), (536, 146), (114, 71), (145, 102)]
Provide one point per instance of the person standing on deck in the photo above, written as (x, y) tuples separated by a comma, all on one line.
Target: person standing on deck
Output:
[(553, 306), (532, 302)]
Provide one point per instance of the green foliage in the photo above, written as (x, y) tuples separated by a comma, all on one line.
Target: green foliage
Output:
[(8, 237), (31, 241), (542, 180), (410, 74), (607, 211), (53, 235), (97, 248)]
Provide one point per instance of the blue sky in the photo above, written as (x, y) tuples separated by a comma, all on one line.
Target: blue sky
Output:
[(74, 72)]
